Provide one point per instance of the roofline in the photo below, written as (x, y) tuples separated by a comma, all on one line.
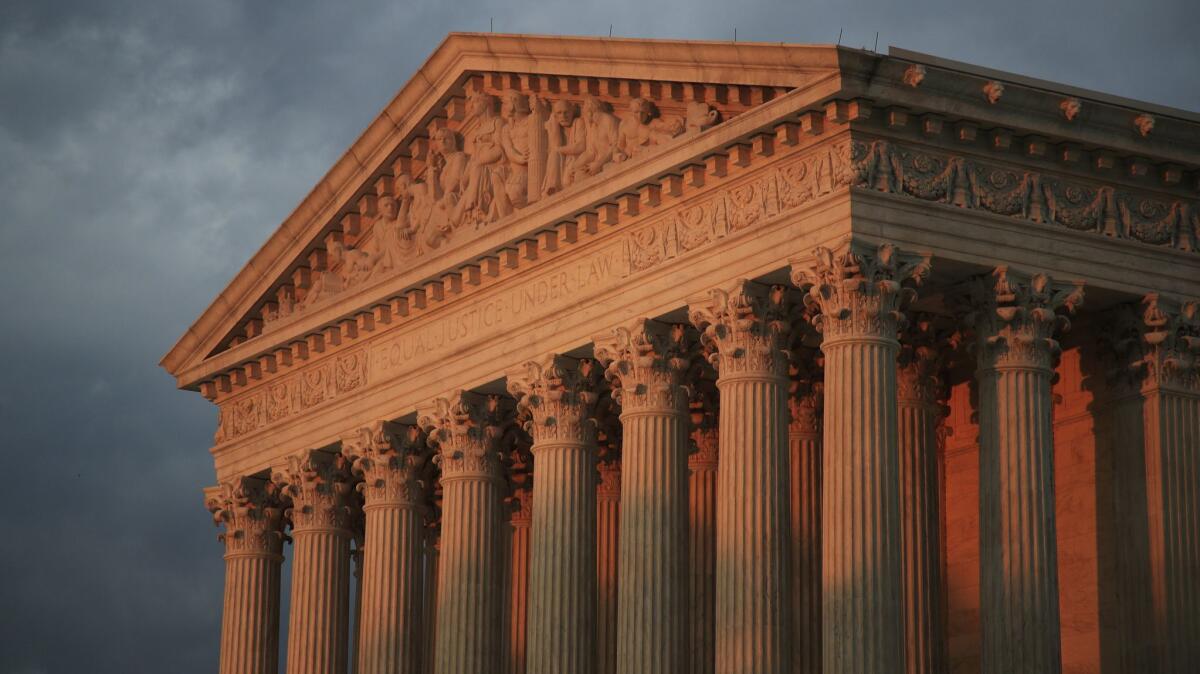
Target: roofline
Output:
[(1045, 85)]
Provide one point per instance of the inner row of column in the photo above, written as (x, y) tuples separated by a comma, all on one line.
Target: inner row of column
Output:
[(802, 549)]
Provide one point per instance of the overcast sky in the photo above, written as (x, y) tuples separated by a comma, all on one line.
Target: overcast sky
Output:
[(147, 149)]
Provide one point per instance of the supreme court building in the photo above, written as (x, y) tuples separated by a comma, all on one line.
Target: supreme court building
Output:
[(609, 356)]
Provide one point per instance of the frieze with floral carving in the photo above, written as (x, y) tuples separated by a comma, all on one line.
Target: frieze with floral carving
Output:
[(1076, 204)]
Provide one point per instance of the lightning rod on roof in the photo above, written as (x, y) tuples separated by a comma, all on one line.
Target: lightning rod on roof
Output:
[(839, 37)]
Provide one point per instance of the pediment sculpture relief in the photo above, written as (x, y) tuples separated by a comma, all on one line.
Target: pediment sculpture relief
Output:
[(510, 151)]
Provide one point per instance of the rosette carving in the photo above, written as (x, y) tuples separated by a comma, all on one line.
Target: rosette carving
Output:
[(466, 431), (252, 513), (645, 362), (393, 462), (860, 292), (1015, 317), (747, 326), (556, 398), (319, 488)]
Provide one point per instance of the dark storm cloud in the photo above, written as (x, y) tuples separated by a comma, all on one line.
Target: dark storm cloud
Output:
[(148, 148)]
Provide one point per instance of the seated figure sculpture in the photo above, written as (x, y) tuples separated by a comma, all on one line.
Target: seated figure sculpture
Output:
[(641, 130), (600, 140)]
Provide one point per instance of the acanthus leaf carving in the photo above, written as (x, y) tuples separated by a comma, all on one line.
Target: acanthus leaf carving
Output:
[(747, 326), (861, 291), (704, 406), (1156, 346), (645, 362), (467, 430), (251, 511), (392, 460), (318, 487), (1015, 317), (556, 397), (924, 348)]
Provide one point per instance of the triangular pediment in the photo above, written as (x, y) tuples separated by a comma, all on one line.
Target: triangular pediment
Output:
[(490, 128)]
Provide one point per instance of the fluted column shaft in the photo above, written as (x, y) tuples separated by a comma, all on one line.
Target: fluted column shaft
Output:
[(920, 519), (1168, 372), (562, 593), (860, 523), (389, 459), (652, 592), (746, 326), (252, 515), (319, 615), (702, 550), (1172, 425), (804, 440), (518, 583), (608, 522), (556, 401), (860, 292), (651, 604), (1015, 325), (433, 549), (465, 430)]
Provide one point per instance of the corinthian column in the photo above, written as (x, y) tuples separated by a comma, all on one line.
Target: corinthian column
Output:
[(919, 393), (1015, 322), (645, 362), (556, 398), (319, 617), (806, 402), (250, 510), (465, 430), (859, 293), (390, 460), (702, 521), (1164, 367), (746, 328)]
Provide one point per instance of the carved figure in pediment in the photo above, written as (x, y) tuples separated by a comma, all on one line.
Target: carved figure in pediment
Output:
[(700, 116), (393, 236), (600, 143), (415, 207), (566, 141), (484, 197), (642, 129), (523, 138), (287, 302), (448, 173)]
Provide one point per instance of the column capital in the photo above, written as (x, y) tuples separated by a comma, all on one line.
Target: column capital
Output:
[(252, 513), (1015, 317), (922, 358), (806, 391), (704, 404), (1154, 344), (392, 460), (520, 506), (318, 486), (860, 288), (556, 398), (645, 361), (466, 429), (747, 326)]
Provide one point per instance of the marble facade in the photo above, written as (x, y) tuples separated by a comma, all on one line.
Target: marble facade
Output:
[(614, 356)]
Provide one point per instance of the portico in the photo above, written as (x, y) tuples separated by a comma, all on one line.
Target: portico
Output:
[(634, 356)]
